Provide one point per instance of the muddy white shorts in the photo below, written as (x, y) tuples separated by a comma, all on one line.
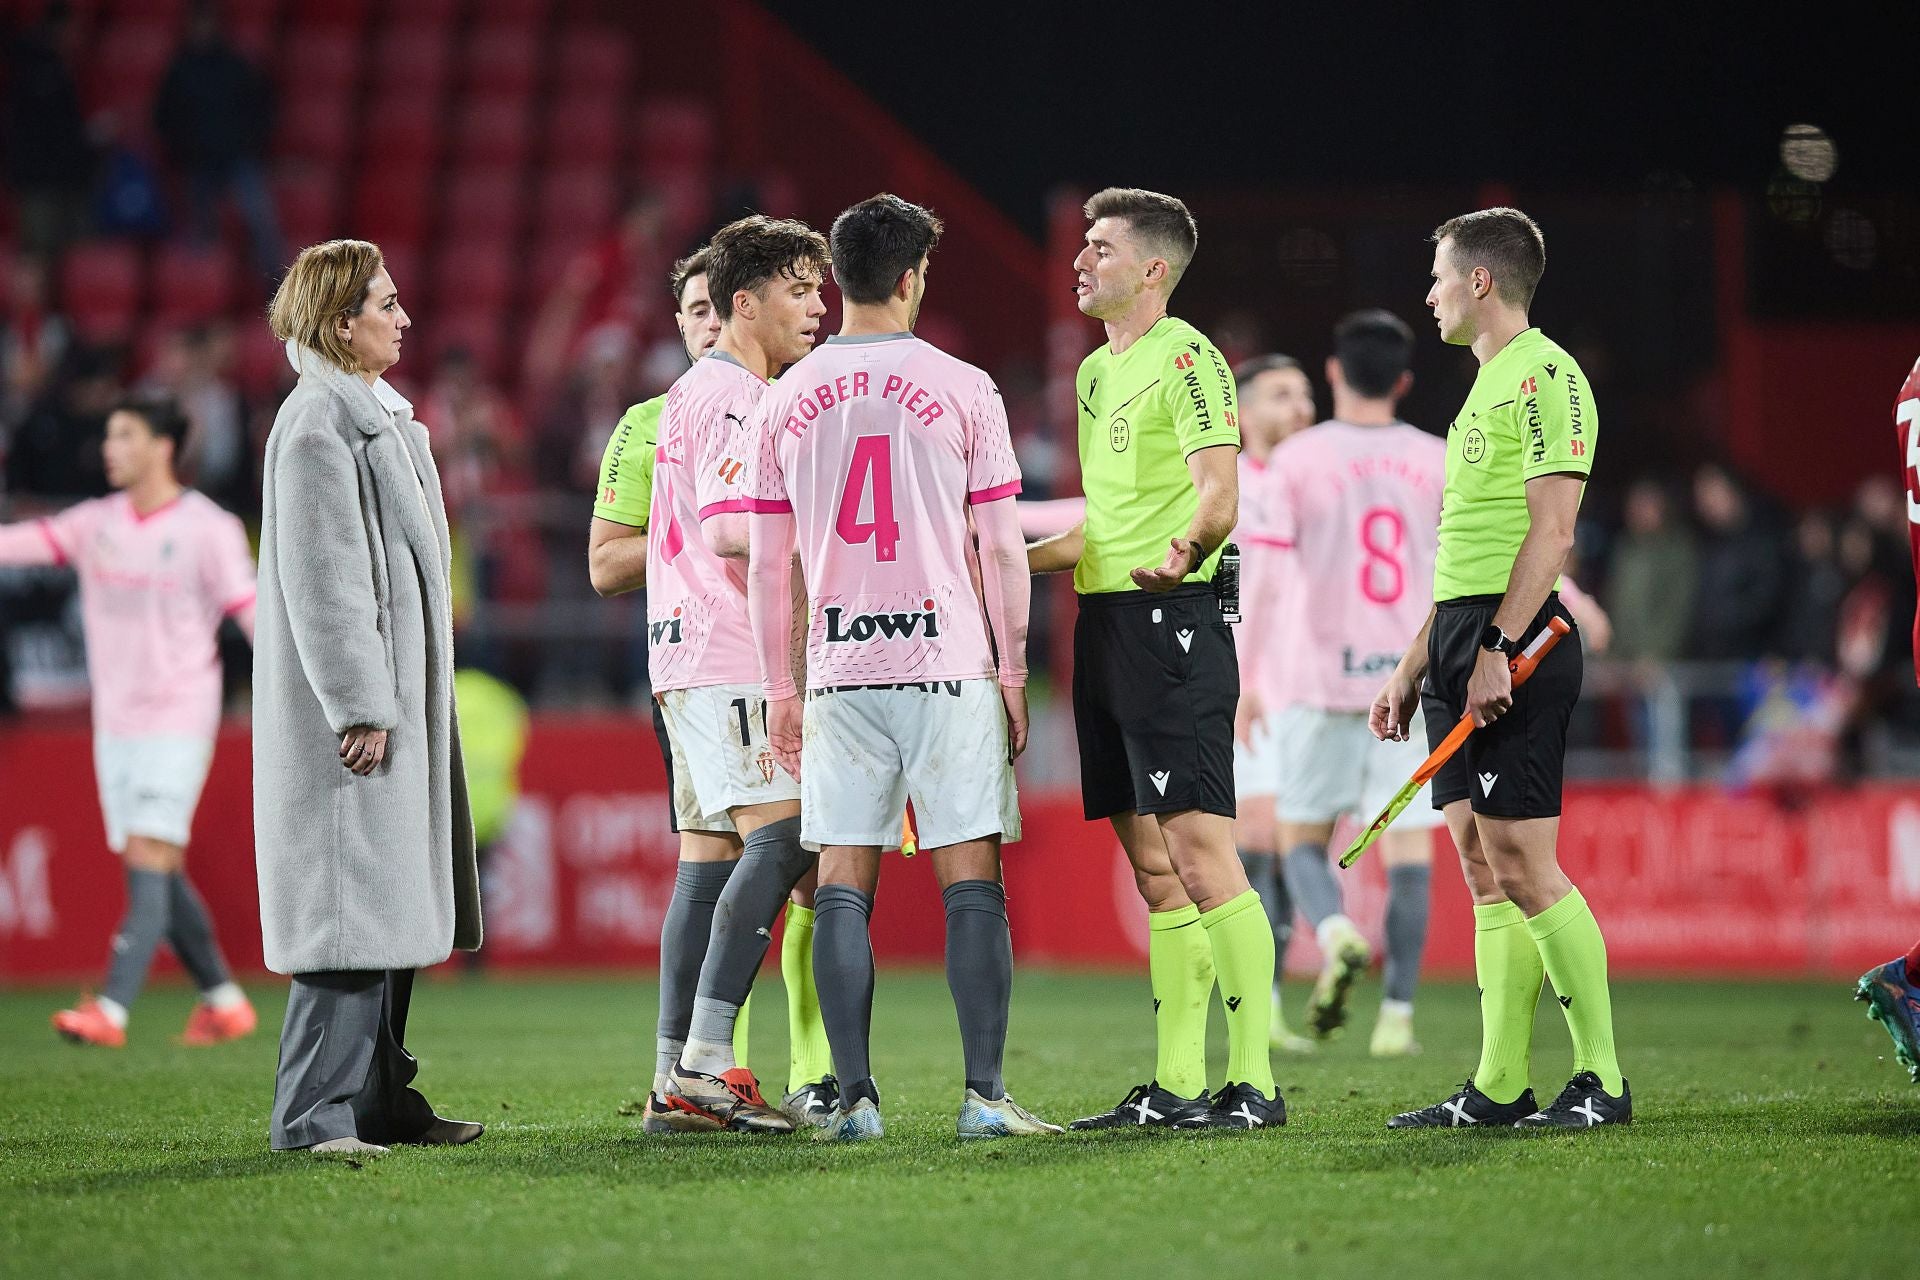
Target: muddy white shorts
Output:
[(718, 735), (868, 749)]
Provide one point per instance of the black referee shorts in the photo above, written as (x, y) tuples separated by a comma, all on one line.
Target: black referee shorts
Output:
[(666, 755), (1512, 768), (1155, 684)]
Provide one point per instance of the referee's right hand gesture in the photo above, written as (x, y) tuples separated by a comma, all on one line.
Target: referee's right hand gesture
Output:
[(1182, 559)]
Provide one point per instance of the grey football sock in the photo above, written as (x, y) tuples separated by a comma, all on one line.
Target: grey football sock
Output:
[(1407, 896), (1263, 873), (140, 932), (843, 972), (743, 926), (1310, 880), (190, 932), (683, 946), (980, 975)]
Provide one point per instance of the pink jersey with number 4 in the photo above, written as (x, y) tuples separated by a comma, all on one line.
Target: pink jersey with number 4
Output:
[(153, 589), (1357, 512), (697, 632), (878, 445)]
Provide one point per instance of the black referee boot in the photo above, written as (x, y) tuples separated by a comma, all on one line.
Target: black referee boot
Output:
[(1467, 1107), (1583, 1104), (1148, 1106), (1242, 1106)]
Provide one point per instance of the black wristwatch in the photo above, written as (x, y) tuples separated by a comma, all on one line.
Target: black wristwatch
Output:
[(1494, 640), (1199, 554)]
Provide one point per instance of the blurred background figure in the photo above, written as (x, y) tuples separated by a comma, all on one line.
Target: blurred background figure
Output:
[(1740, 571), (1650, 582), (493, 741), (215, 115), (49, 160)]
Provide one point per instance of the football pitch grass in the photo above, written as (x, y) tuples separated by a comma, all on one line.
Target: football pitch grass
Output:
[(1774, 1136)]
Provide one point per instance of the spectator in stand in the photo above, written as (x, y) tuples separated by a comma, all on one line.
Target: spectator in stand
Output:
[(49, 161), (477, 440), (215, 115), (55, 450), (611, 285), (33, 342), (1812, 610), (1649, 592), (1736, 603), (193, 369)]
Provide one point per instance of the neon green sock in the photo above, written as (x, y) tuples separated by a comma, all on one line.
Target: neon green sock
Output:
[(1508, 967), (1243, 957), (809, 1058), (1575, 956), (740, 1032), (1180, 965)]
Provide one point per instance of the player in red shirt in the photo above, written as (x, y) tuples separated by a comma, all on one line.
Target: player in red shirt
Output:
[(1892, 990)]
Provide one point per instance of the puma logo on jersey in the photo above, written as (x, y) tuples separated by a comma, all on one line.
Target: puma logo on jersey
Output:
[(1186, 640), (1159, 780), (1486, 783), (862, 627)]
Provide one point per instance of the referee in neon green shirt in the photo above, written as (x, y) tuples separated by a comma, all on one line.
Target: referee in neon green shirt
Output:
[(1155, 681), (1518, 456)]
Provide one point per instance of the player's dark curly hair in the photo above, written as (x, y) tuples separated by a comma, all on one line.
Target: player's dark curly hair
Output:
[(694, 264), (1161, 224), (1506, 242), (162, 415), (1374, 347), (753, 252), (877, 241)]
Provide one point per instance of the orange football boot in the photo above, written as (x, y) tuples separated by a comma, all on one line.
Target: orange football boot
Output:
[(87, 1023), (208, 1025)]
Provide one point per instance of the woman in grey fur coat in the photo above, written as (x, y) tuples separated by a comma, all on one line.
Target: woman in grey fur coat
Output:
[(363, 839)]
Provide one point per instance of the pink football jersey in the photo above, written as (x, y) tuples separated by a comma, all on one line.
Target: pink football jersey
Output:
[(1357, 512), (1254, 636), (153, 589), (878, 445), (697, 632)]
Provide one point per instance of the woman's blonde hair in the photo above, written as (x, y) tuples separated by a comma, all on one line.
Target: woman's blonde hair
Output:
[(325, 282)]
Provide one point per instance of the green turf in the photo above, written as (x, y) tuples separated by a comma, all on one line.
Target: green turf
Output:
[(1774, 1138)]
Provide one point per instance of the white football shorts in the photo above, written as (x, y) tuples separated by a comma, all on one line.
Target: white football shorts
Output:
[(718, 735), (1256, 762), (1331, 764), (867, 750), (150, 786)]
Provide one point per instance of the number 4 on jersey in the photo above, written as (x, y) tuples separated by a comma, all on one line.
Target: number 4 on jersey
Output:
[(872, 469)]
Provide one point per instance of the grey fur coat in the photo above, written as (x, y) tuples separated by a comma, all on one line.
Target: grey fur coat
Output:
[(354, 627)]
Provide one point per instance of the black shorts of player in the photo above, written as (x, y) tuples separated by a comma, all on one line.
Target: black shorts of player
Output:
[(666, 756), (1155, 684), (1513, 767)]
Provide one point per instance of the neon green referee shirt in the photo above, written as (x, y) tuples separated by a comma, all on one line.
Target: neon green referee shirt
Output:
[(1530, 414), (1142, 413), (626, 468)]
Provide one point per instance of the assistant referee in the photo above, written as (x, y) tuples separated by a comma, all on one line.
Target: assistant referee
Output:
[(1518, 456), (1155, 680)]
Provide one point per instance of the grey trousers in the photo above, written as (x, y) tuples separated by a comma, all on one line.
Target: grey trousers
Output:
[(344, 1067)]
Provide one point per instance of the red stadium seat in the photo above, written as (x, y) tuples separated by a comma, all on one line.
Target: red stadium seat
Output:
[(591, 57), (308, 202), (100, 289), (416, 56), (485, 203), (673, 133), (403, 265), (584, 127), (259, 360), (192, 284), (492, 131), (575, 203), (318, 60), (317, 126), (349, 16), (523, 12), (549, 261), (502, 59), (124, 74), (391, 203), (406, 129), (474, 276)]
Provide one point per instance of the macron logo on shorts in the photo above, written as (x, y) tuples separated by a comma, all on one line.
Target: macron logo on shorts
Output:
[(1486, 783), (1159, 780)]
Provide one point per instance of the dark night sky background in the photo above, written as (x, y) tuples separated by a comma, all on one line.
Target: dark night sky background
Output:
[(1021, 97)]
